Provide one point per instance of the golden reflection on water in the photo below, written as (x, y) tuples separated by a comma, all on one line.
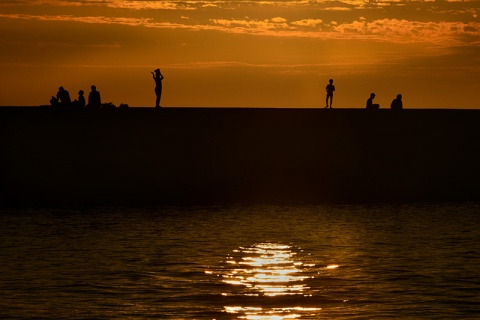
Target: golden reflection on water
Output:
[(268, 271)]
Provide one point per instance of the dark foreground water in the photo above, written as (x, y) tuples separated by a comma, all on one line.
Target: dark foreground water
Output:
[(242, 262)]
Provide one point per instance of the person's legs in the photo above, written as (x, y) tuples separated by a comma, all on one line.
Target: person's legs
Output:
[(159, 95), (326, 101)]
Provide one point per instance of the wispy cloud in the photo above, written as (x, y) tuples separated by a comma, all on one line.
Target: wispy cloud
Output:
[(119, 4), (442, 33), (306, 6), (152, 5), (60, 3), (388, 30), (89, 19), (194, 4), (308, 23), (267, 24)]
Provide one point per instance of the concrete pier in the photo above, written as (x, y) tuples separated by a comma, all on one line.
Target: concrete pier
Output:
[(202, 155)]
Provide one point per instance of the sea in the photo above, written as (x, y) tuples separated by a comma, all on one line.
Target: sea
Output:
[(236, 261)]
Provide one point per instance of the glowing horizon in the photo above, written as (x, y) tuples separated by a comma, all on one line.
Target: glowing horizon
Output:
[(243, 53)]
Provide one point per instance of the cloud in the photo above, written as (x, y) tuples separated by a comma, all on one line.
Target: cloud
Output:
[(338, 9), (308, 23), (253, 25), (56, 3), (388, 8), (89, 19), (386, 30), (443, 33), (153, 5), (278, 20), (197, 4), (117, 4)]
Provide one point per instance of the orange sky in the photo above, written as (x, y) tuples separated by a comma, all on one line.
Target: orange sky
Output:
[(243, 53)]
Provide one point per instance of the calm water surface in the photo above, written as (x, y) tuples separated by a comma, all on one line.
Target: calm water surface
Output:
[(242, 262)]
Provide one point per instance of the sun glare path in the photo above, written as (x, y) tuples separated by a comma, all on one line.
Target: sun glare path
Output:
[(269, 271)]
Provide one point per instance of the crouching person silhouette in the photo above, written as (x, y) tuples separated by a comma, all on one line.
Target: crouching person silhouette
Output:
[(370, 104), (63, 97), (397, 103), (94, 100), (80, 102)]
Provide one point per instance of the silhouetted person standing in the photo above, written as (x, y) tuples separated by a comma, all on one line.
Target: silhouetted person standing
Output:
[(158, 77), (370, 104), (94, 100), (330, 88), (63, 97), (397, 103)]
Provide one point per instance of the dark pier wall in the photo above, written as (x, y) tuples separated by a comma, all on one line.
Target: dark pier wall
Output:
[(188, 155)]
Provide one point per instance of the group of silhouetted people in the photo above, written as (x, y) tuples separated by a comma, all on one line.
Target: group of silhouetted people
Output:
[(62, 99), (395, 105)]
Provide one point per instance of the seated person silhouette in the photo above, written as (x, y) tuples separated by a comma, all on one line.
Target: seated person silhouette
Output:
[(54, 101), (370, 104), (80, 103), (94, 100), (397, 103), (63, 97)]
